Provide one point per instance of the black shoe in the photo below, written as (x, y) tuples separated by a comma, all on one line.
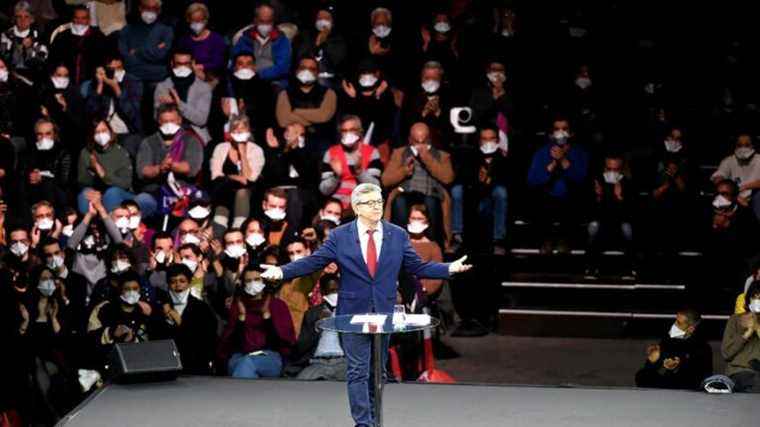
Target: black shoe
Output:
[(470, 328), (442, 351)]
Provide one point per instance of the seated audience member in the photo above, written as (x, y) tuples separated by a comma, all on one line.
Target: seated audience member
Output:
[(307, 102), (207, 47), (332, 210), (119, 260), (491, 101), (673, 194), (278, 229), (255, 238), (122, 218), (189, 321), (296, 292), (557, 175), (681, 360), (612, 212), (421, 172), (249, 94), (486, 177), (318, 353), (23, 44), (81, 46), (259, 334), (272, 47), (168, 152), (430, 104), (729, 241), (145, 44), (106, 167), (743, 168), (48, 167), (62, 103), (324, 43), (229, 261), (189, 93), (161, 257), (740, 306), (236, 166), (427, 249), (741, 344), (46, 225), (349, 163)]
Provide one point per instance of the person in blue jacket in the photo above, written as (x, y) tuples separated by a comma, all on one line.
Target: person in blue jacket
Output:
[(271, 48)]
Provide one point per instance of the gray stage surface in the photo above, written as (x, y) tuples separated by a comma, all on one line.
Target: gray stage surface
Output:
[(196, 401)]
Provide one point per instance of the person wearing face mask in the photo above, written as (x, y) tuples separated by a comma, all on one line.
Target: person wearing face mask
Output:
[(170, 152), (742, 167), (437, 43), (161, 257), (386, 47), (188, 92), (422, 172), (121, 217), (62, 102), (430, 104), (248, 94), (308, 103), (368, 98), (349, 162), (76, 297), (428, 251), (145, 45), (741, 344), (556, 175), (19, 244), (492, 101), (80, 46), (295, 293), (681, 360), (22, 44), (202, 281), (207, 47), (228, 262), (116, 95), (272, 48), (236, 166), (485, 175), (318, 354), (106, 167), (323, 42), (275, 222), (188, 321), (47, 167), (259, 336), (45, 223)]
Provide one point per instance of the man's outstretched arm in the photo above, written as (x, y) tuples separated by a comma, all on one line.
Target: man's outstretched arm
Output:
[(431, 270), (326, 254)]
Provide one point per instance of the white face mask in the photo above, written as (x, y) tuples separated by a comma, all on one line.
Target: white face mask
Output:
[(496, 77), (331, 218), (331, 299), (3, 75), (489, 147), (46, 287), (275, 214), (45, 224), (381, 31), (192, 265), (306, 77), (197, 27), (103, 138), (415, 151), (583, 82), (349, 138), (323, 24), (119, 74), (416, 227), (241, 136), (199, 212), (673, 146), (130, 297), (235, 251), (79, 29), (245, 74), (506, 33), (191, 239), (120, 266), (160, 257), (45, 144), (442, 27), (254, 287), (676, 332), (264, 29), (179, 297), (122, 224), (367, 80), (182, 71), (754, 306), (19, 249), (60, 82), (721, 202), (612, 177), (55, 262), (744, 153), (560, 136), (296, 257), (68, 230), (21, 34), (255, 239), (431, 86), (149, 17), (134, 222), (169, 128)]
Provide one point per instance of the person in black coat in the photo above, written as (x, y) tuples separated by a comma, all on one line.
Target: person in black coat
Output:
[(80, 47), (187, 320), (682, 360)]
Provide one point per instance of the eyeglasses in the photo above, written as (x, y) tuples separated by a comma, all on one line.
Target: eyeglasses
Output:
[(371, 203)]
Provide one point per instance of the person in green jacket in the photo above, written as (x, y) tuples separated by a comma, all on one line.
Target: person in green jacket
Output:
[(106, 167)]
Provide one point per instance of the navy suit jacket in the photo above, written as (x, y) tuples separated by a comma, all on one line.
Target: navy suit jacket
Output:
[(359, 292)]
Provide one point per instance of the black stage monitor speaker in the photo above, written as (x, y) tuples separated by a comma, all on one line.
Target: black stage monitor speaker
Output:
[(145, 362)]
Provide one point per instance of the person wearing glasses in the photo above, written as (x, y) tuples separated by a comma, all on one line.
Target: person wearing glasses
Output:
[(369, 252)]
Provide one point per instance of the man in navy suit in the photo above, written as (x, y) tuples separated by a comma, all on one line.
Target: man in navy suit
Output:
[(370, 253)]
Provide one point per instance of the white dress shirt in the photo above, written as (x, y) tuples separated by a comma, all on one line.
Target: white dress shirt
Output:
[(364, 238)]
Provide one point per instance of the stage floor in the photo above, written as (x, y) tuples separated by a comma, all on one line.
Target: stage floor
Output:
[(198, 401)]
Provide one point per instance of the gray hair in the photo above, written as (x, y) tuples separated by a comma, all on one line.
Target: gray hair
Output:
[(433, 65), (364, 188), (22, 6), (381, 10), (348, 118)]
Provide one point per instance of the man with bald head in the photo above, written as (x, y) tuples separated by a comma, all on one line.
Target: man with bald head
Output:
[(270, 48), (421, 172)]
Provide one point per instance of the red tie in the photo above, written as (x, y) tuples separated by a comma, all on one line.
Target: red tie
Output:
[(371, 254)]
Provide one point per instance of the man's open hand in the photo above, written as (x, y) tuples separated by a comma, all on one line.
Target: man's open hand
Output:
[(271, 272), (459, 266)]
